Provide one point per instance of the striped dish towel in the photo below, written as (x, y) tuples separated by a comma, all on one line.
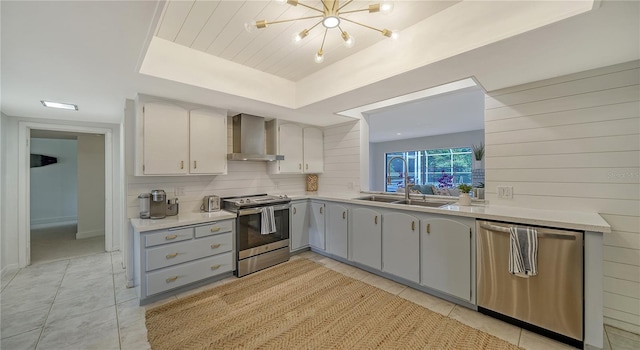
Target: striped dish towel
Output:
[(523, 251), (268, 221)]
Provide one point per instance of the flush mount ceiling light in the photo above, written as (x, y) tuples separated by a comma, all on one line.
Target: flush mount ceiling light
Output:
[(59, 105), (331, 16)]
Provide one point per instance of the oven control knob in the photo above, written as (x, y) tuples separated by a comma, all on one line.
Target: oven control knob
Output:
[(280, 196), (247, 200), (285, 196), (241, 201)]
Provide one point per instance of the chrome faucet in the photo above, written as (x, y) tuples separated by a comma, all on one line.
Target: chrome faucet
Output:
[(406, 176)]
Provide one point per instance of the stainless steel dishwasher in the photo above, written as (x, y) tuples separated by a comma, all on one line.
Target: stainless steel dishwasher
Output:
[(551, 302)]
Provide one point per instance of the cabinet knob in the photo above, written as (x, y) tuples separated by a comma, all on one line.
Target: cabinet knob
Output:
[(215, 267), (171, 279), (171, 256), (214, 246), (294, 211), (170, 237), (413, 225), (428, 228), (215, 229), (375, 219)]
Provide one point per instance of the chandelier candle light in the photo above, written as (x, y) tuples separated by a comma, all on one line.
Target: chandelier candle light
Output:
[(331, 16)]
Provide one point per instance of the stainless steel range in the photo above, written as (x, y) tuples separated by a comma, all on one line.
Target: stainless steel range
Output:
[(262, 231)]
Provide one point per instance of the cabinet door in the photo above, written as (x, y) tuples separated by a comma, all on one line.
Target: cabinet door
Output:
[(166, 139), (446, 256), (401, 246), (207, 143), (336, 230), (366, 237), (316, 228), (299, 226), (313, 151), (290, 145)]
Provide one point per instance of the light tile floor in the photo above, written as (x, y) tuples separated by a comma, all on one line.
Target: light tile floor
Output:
[(82, 303)]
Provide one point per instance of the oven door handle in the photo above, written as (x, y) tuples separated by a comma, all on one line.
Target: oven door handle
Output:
[(251, 211)]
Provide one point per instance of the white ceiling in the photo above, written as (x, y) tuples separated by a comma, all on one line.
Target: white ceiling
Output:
[(90, 53), (216, 27), (449, 113)]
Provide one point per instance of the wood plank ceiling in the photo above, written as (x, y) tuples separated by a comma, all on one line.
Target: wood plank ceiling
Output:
[(217, 28)]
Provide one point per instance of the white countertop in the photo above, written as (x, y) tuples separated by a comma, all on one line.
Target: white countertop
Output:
[(182, 219), (553, 218)]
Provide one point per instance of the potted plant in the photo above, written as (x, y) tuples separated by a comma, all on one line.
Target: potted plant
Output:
[(478, 154), (465, 199)]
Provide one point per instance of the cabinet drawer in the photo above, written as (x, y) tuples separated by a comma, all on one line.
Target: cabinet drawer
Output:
[(167, 236), (177, 253), (214, 228), (176, 276)]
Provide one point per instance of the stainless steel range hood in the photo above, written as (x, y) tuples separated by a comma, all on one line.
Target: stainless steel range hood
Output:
[(249, 140)]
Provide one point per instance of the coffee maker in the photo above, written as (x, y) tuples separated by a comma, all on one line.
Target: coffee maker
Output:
[(158, 204)]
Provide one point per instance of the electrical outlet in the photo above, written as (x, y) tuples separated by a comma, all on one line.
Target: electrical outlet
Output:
[(350, 185), (179, 191), (276, 184), (505, 192)]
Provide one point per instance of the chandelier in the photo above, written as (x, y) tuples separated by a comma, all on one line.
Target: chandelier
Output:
[(331, 16)]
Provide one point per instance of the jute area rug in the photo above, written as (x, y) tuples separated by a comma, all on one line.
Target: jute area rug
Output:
[(303, 305)]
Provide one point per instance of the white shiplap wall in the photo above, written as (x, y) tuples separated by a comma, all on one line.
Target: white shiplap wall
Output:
[(341, 159), (243, 178), (573, 143)]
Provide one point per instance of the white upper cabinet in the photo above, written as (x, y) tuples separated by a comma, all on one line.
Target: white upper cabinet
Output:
[(176, 141), (313, 146), (165, 140), (290, 145), (302, 148), (207, 142)]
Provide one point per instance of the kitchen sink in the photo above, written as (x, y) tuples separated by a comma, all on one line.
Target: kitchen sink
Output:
[(380, 199), (396, 200)]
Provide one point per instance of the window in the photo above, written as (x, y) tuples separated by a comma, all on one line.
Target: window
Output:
[(447, 167)]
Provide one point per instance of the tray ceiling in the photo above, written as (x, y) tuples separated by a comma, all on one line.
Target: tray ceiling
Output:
[(217, 28)]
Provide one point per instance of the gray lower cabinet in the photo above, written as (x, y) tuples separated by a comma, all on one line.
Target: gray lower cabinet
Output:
[(445, 247), (317, 225), (171, 258), (299, 237), (401, 245), (337, 227), (366, 237)]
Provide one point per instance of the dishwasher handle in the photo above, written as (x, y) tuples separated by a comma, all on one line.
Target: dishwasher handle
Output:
[(541, 233)]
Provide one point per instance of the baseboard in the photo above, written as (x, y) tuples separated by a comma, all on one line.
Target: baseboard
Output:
[(68, 221), (90, 234), (51, 221)]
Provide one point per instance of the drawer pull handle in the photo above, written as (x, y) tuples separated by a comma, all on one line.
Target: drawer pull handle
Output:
[(375, 220), (214, 246), (171, 279), (215, 229), (215, 267), (171, 256), (170, 237), (344, 215), (413, 225), (428, 228)]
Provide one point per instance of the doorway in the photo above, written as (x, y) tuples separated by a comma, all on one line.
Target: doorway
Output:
[(24, 188), (66, 195)]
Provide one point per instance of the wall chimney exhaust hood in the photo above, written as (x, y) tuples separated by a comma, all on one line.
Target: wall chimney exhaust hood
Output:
[(249, 140)]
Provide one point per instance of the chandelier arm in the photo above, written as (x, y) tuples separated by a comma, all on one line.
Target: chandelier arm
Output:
[(352, 11), (315, 25), (363, 25), (292, 19), (345, 4), (325, 6), (324, 38), (310, 7)]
